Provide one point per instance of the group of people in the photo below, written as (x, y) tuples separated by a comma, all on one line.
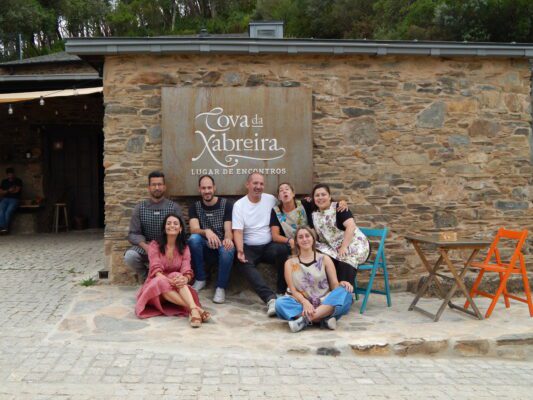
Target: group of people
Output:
[(314, 245), (10, 191)]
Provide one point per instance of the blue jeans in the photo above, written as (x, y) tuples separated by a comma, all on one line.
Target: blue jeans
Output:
[(200, 251), (340, 299), (8, 206)]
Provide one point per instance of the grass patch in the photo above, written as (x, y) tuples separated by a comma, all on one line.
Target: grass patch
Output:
[(88, 282)]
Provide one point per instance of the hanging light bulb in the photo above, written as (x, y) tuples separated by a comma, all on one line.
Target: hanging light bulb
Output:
[(41, 101), (85, 107), (25, 118), (57, 112), (10, 110)]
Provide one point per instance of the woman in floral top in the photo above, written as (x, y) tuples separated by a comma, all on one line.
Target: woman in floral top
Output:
[(314, 293), (338, 236), (291, 214)]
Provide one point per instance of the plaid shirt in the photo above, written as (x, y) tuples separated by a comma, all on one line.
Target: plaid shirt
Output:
[(146, 221)]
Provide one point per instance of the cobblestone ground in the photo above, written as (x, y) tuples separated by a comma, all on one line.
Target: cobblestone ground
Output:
[(40, 276)]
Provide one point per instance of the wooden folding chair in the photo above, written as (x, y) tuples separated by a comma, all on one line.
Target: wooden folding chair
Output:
[(379, 262), (494, 263)]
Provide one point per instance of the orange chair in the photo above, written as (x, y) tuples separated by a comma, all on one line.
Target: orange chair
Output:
[(505, 270)]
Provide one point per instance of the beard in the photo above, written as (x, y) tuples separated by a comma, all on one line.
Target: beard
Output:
[(157, 194)]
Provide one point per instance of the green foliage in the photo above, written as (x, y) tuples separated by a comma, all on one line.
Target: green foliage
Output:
[(88, 282), (44, 24)]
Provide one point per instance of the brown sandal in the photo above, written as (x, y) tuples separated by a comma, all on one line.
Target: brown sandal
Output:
[(195, 322)]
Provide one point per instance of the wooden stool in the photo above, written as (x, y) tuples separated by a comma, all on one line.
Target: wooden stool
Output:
[(59, 207)]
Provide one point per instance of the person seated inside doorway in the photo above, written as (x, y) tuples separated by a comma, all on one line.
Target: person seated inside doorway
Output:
[(166, 290), (10, 191), (314, 294)]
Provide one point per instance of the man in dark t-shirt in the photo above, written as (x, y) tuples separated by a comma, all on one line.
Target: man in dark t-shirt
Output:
[(211, 235), (10, 190)]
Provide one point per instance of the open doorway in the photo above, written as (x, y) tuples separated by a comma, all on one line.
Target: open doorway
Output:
[(73, 172)]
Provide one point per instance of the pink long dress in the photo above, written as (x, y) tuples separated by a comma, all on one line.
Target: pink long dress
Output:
[(150, 301)]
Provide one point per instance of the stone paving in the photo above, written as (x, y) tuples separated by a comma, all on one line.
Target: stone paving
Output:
[(59, 340)]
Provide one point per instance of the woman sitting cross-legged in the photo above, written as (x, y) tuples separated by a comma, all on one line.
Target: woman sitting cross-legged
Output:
[(315, 294), (166, 290)]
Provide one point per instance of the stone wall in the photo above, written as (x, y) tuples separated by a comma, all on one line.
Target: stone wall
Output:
[(418, 144)]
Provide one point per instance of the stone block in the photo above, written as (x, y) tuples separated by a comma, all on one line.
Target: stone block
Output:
[(211, 77), (255, 80), (328, 351), (515, 340), (443, 219), (419, 347), (472, 348), (433, 116), (481, 127), (382, 349), (361, 131), (120, 110), (511, 205), (233, 78), (410, 158), (354, 112), (135, 145)]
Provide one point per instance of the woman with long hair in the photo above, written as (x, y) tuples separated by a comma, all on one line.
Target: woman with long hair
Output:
[(315, 295), (166, 290), (338, 235), (291, 214)]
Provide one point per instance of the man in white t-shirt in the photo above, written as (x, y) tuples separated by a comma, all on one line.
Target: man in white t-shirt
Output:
[(253, 239)]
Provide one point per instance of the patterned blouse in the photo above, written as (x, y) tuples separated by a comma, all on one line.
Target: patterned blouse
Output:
[(310, 279)]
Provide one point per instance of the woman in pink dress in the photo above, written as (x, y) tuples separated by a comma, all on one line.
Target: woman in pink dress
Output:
[(166, 290)]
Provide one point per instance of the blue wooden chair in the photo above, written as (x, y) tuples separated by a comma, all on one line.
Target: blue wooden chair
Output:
[(379, 262)]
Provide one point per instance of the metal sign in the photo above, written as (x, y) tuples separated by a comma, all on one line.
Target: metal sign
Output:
[(229, 133)]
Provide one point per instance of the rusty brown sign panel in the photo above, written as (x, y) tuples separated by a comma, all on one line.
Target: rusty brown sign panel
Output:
[(230, 132)]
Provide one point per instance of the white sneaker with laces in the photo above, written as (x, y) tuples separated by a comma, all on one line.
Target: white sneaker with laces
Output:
[(198, 285), (271, 308), (220, 296), (296, 325)]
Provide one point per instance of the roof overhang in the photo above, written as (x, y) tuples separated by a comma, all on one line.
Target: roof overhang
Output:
[(25, 96), (174, 45), (48, 77)]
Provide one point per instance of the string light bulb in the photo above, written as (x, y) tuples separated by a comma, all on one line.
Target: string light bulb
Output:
[(75, 92), (10, 110), (85, 107), (57, 112), (41, 101)]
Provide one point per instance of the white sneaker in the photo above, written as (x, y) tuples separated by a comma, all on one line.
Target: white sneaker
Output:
[(271, 308), (198, 285), (331, 323), (296, 325), (220, 296)]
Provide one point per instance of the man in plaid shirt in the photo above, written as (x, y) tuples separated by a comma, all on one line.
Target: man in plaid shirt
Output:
[(146, 221)]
